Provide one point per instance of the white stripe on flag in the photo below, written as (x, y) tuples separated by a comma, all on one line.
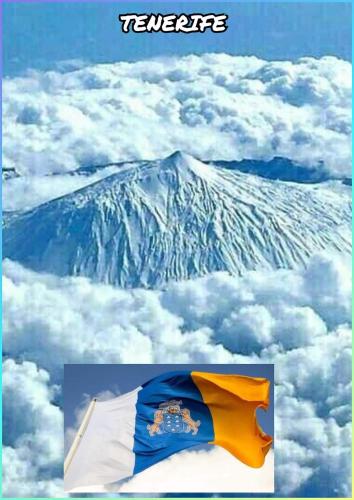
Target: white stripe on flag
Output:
[(105, 451)]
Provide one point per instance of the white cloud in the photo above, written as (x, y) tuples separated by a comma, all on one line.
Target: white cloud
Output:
[(33, 427), (215, 470), (24, 193), (214, 106), (316, 375), (291, 476), (303, 326), (21, 479), (190, 316)]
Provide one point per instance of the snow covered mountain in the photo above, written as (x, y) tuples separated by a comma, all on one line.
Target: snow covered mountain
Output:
[(178, 218)]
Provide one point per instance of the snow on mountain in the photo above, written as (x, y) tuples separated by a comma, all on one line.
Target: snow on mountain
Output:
[(178, 218)]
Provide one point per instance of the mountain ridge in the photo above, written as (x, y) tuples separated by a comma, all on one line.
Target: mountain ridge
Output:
[(276, 168)]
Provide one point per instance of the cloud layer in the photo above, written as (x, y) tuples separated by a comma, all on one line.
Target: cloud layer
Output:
[(32, 430), (216, 469), (214, 106), (299, 320)]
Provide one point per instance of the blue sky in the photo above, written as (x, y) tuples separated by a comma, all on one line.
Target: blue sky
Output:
[(94, 379), (40, 35)]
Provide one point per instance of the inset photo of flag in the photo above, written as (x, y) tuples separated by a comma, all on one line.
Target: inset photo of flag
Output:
[(169, 428)]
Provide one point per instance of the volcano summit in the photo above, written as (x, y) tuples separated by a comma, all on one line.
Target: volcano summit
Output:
[(178, 218)]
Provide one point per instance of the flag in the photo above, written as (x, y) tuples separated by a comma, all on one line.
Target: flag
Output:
[(172, 412)]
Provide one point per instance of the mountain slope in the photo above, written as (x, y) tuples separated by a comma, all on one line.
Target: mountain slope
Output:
[(178, 218)]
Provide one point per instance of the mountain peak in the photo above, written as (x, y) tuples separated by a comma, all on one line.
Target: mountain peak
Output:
[(178, 156), (179, 159), (187, 166)]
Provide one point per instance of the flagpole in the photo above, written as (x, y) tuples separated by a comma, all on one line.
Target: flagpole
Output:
[(79, 435)]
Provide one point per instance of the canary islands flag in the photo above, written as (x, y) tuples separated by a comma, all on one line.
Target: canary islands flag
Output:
[(172, 412)]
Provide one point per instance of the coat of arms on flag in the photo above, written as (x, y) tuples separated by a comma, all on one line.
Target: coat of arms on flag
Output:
[(171, 418)]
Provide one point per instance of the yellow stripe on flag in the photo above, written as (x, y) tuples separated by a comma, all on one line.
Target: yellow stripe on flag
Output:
[(233, 400)]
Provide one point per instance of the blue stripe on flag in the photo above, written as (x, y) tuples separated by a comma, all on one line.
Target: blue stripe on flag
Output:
[(171, 416)]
